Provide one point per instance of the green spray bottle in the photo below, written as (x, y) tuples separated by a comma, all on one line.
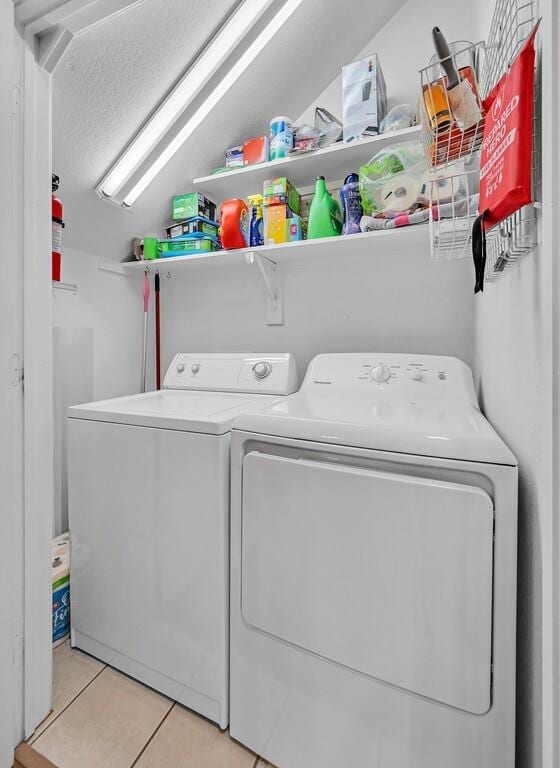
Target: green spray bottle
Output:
[(325, 216)]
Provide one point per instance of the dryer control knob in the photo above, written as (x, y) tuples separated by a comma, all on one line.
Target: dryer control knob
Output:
[(180, 368), (261, 369), (380, 373), (416, 375), (195, 368)]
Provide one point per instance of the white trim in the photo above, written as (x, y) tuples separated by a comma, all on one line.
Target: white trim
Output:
[(38, 403), (76, 15), (549, 535), (11, 461)]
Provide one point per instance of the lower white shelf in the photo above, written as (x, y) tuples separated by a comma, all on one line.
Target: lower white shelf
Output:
[(383, 243)]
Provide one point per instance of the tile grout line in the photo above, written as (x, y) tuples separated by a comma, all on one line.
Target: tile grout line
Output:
[(147, 744), (34, 738)]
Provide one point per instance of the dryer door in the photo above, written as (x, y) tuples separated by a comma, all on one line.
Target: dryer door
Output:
[(387, 574)]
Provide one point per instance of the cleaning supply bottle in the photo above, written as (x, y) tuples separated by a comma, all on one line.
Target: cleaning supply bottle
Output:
[(256, 227), (325, 216), (351, 204)]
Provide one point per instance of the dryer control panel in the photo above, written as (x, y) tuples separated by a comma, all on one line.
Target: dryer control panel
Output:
[(269, 374), (393, 376)]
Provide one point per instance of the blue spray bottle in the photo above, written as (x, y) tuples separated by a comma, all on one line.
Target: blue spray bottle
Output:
[(256, 228), (351, 204)]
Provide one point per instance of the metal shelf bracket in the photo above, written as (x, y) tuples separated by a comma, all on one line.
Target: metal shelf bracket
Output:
[(270, 274)]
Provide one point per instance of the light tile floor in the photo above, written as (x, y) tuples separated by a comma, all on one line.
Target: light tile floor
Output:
[(103, 719)]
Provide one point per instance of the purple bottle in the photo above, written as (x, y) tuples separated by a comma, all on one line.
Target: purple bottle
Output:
[(351, 204)]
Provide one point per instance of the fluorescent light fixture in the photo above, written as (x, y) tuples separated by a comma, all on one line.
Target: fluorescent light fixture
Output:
[(184, 92), (206, 107)]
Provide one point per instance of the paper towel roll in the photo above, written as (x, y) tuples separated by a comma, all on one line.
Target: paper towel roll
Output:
[(441, 187), (398, 193)]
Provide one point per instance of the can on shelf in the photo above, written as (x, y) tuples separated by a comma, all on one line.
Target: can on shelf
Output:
[(281, 137)]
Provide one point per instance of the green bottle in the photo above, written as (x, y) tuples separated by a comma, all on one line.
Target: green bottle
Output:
[(325, 216)]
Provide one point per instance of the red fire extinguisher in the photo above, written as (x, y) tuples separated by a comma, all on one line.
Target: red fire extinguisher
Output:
[(57, 227)]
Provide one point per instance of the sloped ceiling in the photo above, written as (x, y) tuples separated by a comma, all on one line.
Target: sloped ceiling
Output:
[(114, 74)]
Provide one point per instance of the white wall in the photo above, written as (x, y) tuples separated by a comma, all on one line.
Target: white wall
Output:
[(97, 348), (515, 371), (393, 303), (404, 46)]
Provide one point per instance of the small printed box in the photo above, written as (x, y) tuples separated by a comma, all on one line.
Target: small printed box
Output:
[(255, 150), (234, 157), (364, 98), (280, 191), (191, 205), (197, 224), (277, 224), (296, 228)]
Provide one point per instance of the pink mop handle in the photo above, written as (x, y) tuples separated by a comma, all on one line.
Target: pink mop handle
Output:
[(146, 292)]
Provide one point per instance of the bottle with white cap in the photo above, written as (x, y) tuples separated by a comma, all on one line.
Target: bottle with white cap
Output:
[(281, 137)]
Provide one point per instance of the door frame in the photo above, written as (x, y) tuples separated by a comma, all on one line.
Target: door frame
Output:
[(11, 401), (39, 44)]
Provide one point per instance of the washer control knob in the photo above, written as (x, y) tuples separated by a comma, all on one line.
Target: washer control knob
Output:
[(416, 375), (195, 368), (261, 369), (380, 373), (180, 368)]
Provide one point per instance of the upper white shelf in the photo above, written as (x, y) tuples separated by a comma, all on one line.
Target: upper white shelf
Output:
[(333, 162), (386, 243)]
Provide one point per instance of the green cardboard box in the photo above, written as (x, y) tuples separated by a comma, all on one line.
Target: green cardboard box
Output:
[(281, 191), (192, 204)]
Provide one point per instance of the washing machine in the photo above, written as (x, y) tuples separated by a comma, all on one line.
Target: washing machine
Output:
[(373, 571), (148, 487)]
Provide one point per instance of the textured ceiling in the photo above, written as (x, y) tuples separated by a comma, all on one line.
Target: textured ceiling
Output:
[(113, 75)]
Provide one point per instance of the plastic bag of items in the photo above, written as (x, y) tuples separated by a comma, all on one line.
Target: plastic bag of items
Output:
[(329, 126), (395, 188), (394, 181), (307, 138), (400, 117)]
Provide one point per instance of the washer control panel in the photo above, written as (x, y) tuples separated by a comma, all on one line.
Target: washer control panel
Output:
[(392, 376), (273, 374)]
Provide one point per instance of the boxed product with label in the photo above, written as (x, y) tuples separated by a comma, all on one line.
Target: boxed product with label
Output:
[(234, 157), (296, 228), (255, 150), (192, 204), (197, 224), (279, 192), (277, 224), (364, 98)]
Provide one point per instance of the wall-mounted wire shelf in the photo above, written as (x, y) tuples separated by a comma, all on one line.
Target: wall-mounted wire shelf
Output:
[(452, 119), (453, 210), (454, 191)]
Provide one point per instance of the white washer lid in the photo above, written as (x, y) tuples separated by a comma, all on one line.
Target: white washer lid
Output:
[(188, 410), (442, 429)]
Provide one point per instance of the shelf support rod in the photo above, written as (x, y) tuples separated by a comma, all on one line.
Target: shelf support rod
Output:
[(270, 276)]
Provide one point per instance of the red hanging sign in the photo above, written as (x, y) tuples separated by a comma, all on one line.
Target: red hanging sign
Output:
[(505, 160)]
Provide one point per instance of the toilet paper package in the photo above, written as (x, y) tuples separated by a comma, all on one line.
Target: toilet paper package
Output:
[(60, 589), (394, 180)]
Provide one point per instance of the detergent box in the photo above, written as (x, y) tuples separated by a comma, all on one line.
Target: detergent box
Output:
[(364, 98), (281, 191), (256, 150), (190, 205), (283, 225)]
